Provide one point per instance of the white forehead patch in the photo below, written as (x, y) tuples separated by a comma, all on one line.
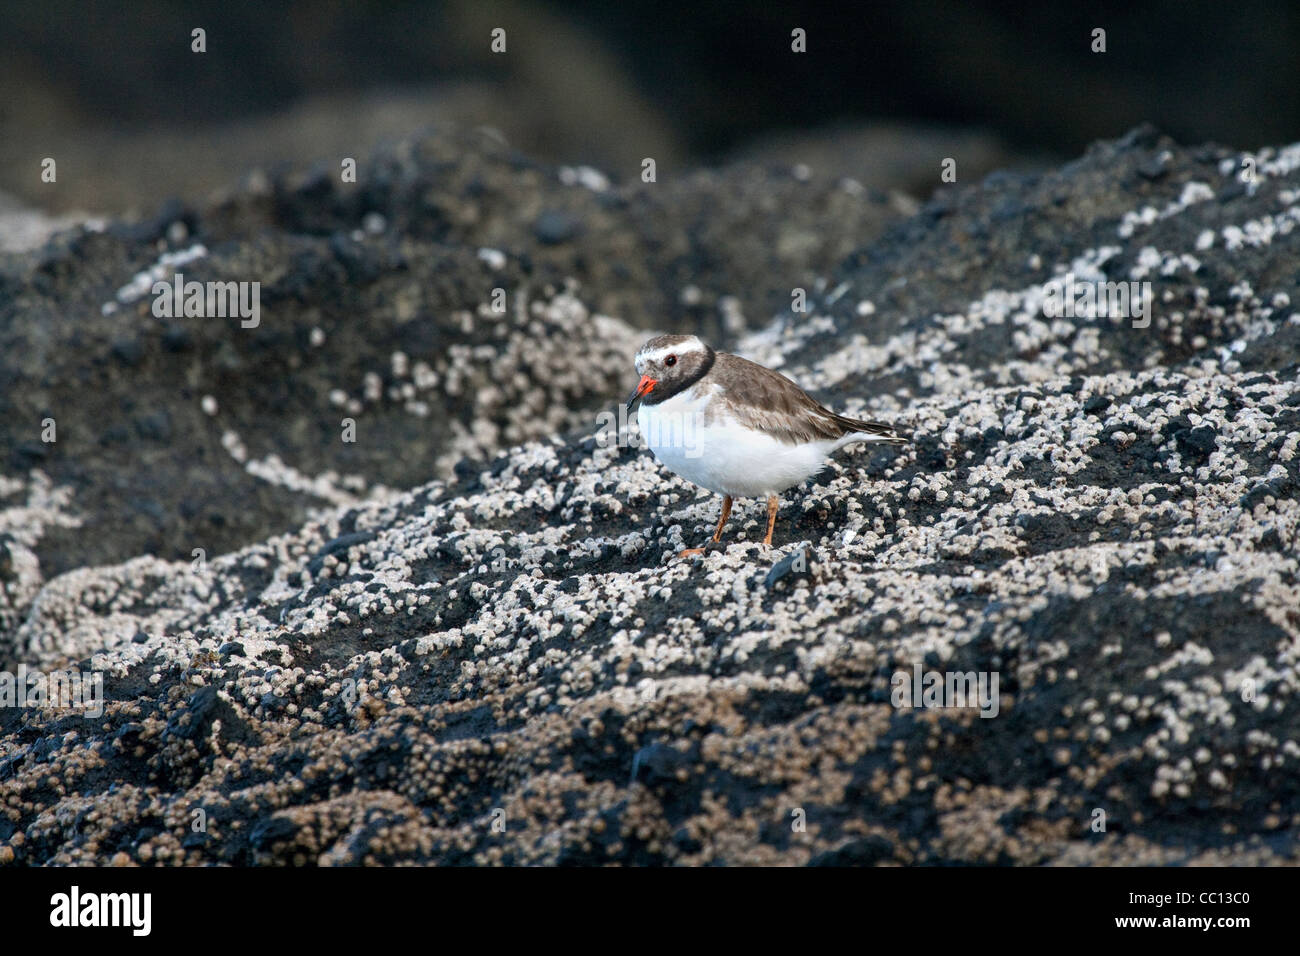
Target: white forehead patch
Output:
[(657, 355)]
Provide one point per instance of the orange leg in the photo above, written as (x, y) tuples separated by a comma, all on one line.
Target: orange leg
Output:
[(717, 535), (772, 504)]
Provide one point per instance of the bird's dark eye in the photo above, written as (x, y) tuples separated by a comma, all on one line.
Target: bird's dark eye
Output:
[(671, 360)]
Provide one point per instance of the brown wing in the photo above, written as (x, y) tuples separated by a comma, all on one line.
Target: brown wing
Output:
[(769, 402)]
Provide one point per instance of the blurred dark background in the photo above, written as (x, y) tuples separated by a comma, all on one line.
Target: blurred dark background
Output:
[(113, 91)]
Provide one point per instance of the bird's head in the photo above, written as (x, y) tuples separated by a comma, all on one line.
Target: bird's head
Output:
[(667, 364)]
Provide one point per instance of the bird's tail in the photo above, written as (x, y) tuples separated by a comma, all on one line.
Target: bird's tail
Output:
[(856, 430)]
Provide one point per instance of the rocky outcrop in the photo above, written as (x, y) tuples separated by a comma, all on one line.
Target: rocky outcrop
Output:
[(1098, 512)]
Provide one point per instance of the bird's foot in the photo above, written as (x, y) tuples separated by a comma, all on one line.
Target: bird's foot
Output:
[(690, 553)]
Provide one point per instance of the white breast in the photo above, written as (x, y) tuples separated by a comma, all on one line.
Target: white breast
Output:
[(724, 456)]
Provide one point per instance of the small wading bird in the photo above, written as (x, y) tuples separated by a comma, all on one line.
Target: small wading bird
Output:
[(736, 428)]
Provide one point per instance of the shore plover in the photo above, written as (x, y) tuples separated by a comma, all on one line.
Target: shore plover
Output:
[(736, 428)]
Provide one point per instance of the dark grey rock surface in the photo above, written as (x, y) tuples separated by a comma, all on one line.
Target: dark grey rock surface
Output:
[(508, 664)]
